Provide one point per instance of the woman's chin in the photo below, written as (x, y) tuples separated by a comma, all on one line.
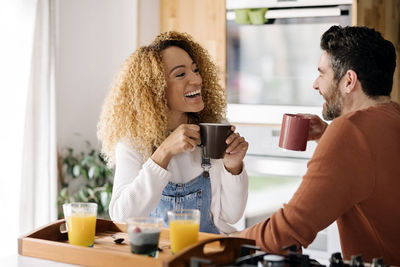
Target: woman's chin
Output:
[(195, 106), (195, 110)]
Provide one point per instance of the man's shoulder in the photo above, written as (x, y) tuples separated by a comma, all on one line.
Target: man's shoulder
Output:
[(345, 120), (363, 119), (347, 125), (371, 113)]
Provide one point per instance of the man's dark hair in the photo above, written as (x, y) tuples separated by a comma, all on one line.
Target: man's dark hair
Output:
[(364, 51)]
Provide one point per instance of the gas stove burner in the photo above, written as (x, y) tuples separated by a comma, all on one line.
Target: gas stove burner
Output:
[(356, 261), (252, 256)]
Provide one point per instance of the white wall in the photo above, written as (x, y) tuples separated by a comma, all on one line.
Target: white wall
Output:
[(149, 20), (94, 38)]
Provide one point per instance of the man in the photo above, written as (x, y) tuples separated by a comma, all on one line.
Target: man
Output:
[(354, 174)]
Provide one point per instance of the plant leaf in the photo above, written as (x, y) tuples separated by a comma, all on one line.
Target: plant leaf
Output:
[(96, 172), (91, 172), (82, 195), (90, 192), (63, 192), (76, 171)]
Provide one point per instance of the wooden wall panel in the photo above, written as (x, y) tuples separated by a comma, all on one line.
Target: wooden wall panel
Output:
[(204, 20), (384, 16)]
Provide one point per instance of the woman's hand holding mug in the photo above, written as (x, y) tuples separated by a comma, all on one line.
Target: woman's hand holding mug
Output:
[(235, 152), (184, 137)]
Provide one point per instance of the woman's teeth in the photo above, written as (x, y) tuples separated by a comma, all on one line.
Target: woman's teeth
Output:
[(193, 93)]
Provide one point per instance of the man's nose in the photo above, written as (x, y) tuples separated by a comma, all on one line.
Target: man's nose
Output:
[(315, 84)]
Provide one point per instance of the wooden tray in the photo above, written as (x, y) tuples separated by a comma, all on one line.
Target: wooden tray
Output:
[(49, 243)]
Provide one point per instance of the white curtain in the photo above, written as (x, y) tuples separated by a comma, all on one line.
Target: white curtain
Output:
[(38, 203), (16, 28)]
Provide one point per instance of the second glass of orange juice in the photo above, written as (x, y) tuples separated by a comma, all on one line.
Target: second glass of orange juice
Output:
[(183, 228)]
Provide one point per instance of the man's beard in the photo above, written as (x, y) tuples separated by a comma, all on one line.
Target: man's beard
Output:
[(334, 103)]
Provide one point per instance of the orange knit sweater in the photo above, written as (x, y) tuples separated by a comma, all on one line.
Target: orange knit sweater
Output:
[(353, 178)]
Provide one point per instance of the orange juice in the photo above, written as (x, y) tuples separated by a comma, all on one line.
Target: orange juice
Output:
[(81, 229), (183, 233)]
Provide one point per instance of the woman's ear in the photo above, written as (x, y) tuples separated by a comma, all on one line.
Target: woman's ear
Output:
[(350, 81)]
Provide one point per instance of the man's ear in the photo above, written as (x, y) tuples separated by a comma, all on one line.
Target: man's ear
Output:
[(350, 81)]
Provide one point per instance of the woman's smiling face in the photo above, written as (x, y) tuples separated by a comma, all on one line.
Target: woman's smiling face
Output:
[(184, 82)]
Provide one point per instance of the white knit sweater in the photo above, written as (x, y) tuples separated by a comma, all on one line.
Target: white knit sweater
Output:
[(138, 186)]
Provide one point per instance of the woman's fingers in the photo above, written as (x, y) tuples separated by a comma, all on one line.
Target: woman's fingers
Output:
[(242, 146), (193, 131), (231, 138), (189, 130), (234, 141), (192, 135), (190, 144)]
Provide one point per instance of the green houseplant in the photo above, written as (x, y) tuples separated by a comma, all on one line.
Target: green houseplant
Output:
[(84, 177)]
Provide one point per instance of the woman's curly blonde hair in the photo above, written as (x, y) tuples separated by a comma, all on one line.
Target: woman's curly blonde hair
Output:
[(135, 110)]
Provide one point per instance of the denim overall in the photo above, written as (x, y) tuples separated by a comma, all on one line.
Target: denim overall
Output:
[(195, 194)]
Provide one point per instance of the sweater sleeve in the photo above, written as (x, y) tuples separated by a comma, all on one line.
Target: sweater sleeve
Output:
[(338, 177), (234, 191), (137, 185)]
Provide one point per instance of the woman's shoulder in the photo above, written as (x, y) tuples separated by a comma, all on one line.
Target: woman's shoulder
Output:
[(125, 145), (125, 149)]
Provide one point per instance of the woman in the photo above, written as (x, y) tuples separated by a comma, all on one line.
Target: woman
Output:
[(149, 130)]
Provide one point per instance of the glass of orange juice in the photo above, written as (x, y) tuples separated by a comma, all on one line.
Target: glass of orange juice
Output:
[(183, 228), (81, 223)]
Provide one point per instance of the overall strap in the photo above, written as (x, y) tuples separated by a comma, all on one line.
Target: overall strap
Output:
[(205, 164)]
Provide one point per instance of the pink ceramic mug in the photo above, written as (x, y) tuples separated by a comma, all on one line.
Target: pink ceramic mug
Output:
[(294, 132)]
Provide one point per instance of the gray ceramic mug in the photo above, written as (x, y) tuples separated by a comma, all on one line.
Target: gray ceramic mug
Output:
[(213, 139)]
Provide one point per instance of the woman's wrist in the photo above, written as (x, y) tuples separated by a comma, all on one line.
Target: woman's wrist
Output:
[(161, 157), (235, 170)]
